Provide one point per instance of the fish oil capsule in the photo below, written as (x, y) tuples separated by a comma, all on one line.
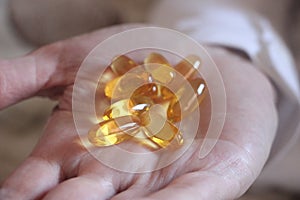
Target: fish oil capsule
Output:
[(150, 90), (151, 94), (200, 89), (106, 76), (142, 139), (156, 58), (139, 109), (149, 116), (176, 142), (157, 143), (159, 68), (118, 109), (161, 74), (163, 136), (128, 84), (179, 108), (123, 85), (140, 99), (156, 92), (156, 116), (189, 66), (173, 112), (110, 87), (113, 131), (189, 100), (156, 126), (122, 64), (125, 108), (146, 142), (145, 94)]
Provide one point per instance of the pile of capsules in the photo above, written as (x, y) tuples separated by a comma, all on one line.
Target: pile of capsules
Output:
[(144, 109)]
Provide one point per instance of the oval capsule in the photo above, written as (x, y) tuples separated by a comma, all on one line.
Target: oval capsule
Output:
[(113, 131), (159, 68), (189, 66), (122, 64)]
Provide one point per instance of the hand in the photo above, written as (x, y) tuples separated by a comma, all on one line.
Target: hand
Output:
[(59, 168)]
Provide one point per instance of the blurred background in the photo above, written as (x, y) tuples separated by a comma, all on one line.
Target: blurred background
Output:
[(28, 24)]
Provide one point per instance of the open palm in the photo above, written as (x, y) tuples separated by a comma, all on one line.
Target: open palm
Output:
[(60, 168)]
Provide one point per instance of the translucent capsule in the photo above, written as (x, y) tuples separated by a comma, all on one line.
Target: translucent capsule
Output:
[(156, 127), (100, 101), (162, 74), (189, 66), (118, 109), (113, 131), (124, 85), (155, 119), (145, 141), (141, 100), (156, 58), (152, 92), (110, 87), (162, 136), (149, 116), (106, 76), (159, 68), (200, 89), (188, 101), (139, 109), (125, 108), (173, 112), (122, 64)]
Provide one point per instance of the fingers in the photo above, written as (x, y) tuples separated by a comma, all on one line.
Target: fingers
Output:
[(18, 79), (83, 187), (31, 180), (196, 186), (53, 66), (226, 173)]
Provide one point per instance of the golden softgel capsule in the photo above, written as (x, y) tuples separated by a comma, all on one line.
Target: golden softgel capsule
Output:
[(159, 68), (113, 131), (189, 66), (122, 64), (190, 96), (143, 108)]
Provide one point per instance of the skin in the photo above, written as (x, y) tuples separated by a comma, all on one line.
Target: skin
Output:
[(58, 168)]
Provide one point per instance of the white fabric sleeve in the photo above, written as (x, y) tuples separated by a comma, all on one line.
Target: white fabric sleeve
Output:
[(232, 26)]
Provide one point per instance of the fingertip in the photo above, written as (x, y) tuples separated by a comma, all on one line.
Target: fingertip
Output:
[(82, 187), (18, 80)]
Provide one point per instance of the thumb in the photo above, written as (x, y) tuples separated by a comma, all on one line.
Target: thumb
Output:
[(19, 79), (45, 69), (52, 66)]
